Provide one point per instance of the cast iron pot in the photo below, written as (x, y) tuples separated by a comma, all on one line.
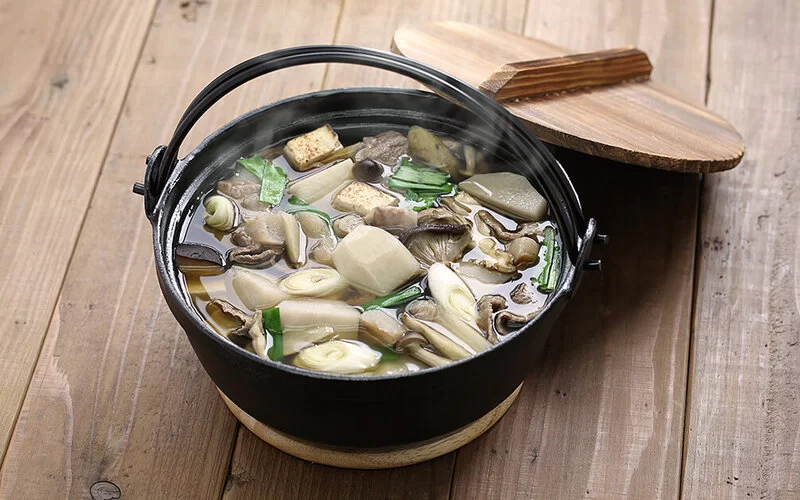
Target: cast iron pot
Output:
[(346, 410)]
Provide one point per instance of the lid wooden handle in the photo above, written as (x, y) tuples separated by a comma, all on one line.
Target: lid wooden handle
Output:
[(572, 72)]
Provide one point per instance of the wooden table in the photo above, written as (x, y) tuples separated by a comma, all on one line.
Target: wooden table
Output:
[(676, 371)]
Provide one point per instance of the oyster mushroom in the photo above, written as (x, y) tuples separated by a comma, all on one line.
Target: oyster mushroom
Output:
[(441, 215), (367, 170), (525, 252), (322, 251), (412, 343), (345, 225), (506, 322), (255, 255), (241, 239), (386, 147), (521, 294), (488, 305), (233, 312), (437, 242), (257, 335), (429, 148), (424, 309), (483, 270), (499, 231), (453, 205), (503, 261), (436, 338)]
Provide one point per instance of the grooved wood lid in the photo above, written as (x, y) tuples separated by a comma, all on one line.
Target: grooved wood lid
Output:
[(602, 103)]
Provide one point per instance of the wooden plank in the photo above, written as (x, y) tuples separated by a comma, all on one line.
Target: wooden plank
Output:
[(260, 471), (602, 415), (118, 395), (743, 435), (56, 115)]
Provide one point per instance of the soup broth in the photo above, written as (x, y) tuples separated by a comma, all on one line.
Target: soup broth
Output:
[(395, 254)]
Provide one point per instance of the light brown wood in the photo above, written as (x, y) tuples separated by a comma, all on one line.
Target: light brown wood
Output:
[(366, 458), (57, 112), (540, 77), (743, 434), (640, 123), (118, 394), (602, 414)]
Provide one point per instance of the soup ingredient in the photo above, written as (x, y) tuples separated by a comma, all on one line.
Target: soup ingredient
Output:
[(312, 188), (373, 260), (378, 327), (255, 290), (450, 292), (273, 179), (393, 219), (271, 321), (482, 271), (345, 225), (304, 150), (422, 185), (360, 198), (316, 282), (313, 224), (322, 251), (487, 306), (301, 315), (386, 147), (367, 170), (254, 203), (194, 258), (220, 213), (255, 255), (437, 339), (232, 312), (295, 245), (463, 329), (341, 154), (429, 148), (237, 188), (437, 242), (521, 294), (525, 252), (454, 206), (338, 356), (256, 333), (441, 215), (412, 343), (395, 299), (509, 193), (506, 322), (547, 279), (267, 229), (488, 225)]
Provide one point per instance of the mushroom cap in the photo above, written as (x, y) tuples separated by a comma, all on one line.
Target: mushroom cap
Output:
[(437, 242), (409, 339)]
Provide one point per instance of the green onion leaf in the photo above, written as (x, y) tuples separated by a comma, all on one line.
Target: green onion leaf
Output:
[(395, 299), (294, 200), (548, 277), (272, 324), (387, 353)]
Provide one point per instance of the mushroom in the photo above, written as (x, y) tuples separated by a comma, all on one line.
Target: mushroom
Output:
[(241, 239), (258, 336), (451, 203), (499, 231), (412, 343), (393, 219), (367, 170), (437, 242), (295, 242), (253, 202), (483, 270), (429, 148), (424, 309), (525, 252), (441, 215), (322, 251), (521, 294), (506, 322), (437, 339), (503, 261), (251, 327), (345, 225), (233, 312), (254, 255), (488, 305)]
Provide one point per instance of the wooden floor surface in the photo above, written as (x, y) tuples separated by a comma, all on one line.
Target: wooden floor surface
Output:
[(674, 373)]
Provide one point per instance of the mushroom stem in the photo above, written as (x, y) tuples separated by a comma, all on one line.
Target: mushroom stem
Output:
[(506, 322), (499, 231), (437, 340), (426, 356), (488, 305)]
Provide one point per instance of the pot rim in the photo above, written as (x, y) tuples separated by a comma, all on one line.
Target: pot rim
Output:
[(567, 283)]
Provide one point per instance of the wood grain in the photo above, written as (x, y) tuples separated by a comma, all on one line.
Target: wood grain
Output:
[(56, 116), (637, 122), (260, 471), (118, 395), (602, 414), (743, 437), (539, 77)]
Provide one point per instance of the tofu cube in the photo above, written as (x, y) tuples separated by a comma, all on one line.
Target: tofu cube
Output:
[(304, 150), (374, 261), (360, 197)]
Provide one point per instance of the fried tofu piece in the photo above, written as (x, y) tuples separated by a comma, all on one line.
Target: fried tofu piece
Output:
[(304, 150), (360, 197)]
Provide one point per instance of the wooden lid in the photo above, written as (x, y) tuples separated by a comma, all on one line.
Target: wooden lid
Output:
[(603, 104)]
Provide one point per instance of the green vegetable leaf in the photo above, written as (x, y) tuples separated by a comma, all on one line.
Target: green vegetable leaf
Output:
[(387, 353), (273, 184), (395, 299), (294, 200), (272, 324), (313, 211), (255, 164), (548, 277)]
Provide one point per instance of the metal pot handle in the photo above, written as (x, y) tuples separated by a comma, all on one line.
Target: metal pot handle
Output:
[(549, 172)]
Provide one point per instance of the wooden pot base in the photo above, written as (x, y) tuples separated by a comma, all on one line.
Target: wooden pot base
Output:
[(372, 458)]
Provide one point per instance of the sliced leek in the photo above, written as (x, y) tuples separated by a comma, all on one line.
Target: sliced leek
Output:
[(316, 282), (220, 213), (450, 292), (338, 356)]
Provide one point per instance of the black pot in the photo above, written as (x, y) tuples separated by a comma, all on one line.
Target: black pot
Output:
[(338, 409)]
